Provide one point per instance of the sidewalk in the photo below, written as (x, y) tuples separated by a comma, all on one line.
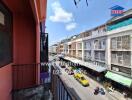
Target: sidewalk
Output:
[(115, 95)]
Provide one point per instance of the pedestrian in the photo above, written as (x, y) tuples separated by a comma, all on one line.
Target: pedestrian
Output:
[(125, 94)]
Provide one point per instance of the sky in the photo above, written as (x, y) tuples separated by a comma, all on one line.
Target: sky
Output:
[(64, 19)]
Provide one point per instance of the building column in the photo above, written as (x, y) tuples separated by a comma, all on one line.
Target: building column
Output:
[(92, 50), (131, 53), (108, 53), (82, 50)]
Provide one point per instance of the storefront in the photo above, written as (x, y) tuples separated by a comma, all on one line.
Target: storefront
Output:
[(125, 81)]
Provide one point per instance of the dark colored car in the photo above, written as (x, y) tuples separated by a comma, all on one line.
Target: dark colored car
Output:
[(70, 72), (101, 90), (62, 66)]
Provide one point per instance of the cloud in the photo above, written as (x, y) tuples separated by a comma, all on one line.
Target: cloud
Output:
[(71, 26), (60, 14)]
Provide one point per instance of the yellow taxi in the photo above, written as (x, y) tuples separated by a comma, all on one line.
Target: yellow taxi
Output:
[(81, 79)]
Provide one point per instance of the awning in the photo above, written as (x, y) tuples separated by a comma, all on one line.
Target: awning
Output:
[(86, 64), (119, 78)]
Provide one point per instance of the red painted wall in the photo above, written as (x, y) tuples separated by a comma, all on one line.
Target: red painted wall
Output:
[(24, 39), (5, 82), (38, 53), (24, 51), (26, 47)]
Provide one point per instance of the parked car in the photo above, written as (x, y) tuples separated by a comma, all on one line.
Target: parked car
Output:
[(70, 72), (66, 70), (60, 55), (62, 66), (81, 79)]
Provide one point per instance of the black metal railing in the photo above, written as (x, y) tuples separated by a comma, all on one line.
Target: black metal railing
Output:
[(59, 89)]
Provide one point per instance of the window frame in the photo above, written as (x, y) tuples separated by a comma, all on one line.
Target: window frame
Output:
[(8, 16)]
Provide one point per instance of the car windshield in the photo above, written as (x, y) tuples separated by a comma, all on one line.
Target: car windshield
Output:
[(82, 78)]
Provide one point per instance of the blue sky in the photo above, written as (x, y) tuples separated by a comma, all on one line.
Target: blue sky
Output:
[(64, 19)]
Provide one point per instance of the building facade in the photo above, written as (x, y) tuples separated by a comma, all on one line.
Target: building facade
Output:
[(20, 44), (120, 48), (53, 49), (106, 48)]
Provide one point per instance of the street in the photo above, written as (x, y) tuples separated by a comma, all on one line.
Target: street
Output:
[(83, 93)]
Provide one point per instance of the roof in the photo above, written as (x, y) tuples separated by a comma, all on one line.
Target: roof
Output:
[(116, 18), (86, 64), (116, 8)]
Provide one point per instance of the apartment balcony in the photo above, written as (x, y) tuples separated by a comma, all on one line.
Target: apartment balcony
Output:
[(87, 58), (121, 43), (24, 76), (74, 56), (79, 57), (121, 59)]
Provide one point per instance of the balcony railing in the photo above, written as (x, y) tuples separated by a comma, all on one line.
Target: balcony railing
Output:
[(27, 75), (25, 82), (60, 90)]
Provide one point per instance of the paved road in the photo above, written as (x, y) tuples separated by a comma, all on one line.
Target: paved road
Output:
[(83, 93)]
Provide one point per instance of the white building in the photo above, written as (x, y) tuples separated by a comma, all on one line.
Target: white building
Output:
[(120, 49), (53, 49), (106, 47)]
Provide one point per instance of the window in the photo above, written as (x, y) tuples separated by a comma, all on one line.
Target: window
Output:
[(120, 57), (119, 42), (5, 35), (102, 56), (113, 57), (97, 55), (122, 42), (82, 78), (115, 69), (87, 45), (127, 58), (103, 44), (126, 42), (96, 44), (121, 69), (113, 43)]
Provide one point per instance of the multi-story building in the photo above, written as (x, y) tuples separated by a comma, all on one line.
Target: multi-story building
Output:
[(108, 46), (79, 50), (65, 45), (53, 49), (59, 48), (120, 49), (72, 46), (94, 50)]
